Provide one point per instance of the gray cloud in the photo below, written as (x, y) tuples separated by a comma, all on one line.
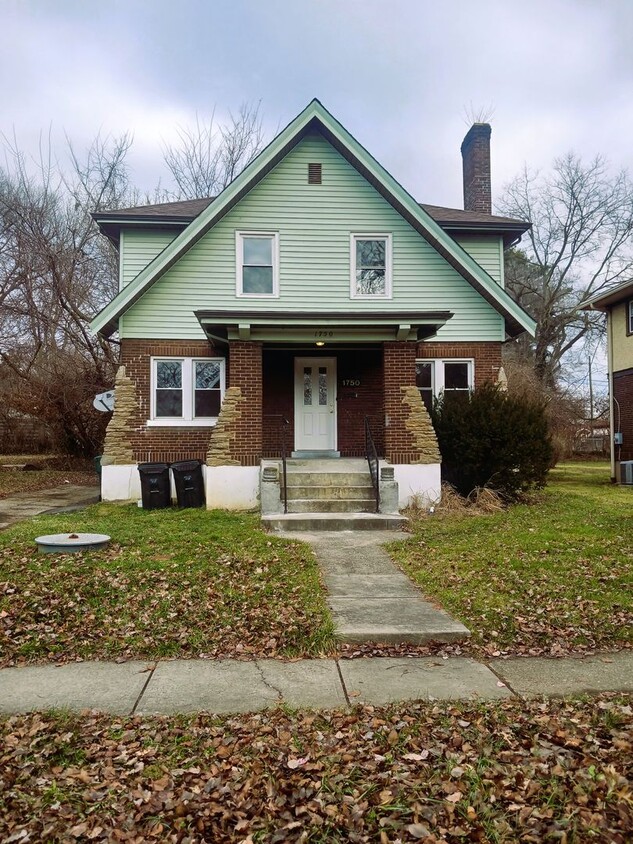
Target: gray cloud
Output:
[(398, 75)]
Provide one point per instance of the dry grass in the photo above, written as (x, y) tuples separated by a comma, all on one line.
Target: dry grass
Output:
[(481, 501)]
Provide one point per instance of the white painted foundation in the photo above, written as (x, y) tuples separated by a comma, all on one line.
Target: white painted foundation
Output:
[(418, 483), (120, 483), (232, 487)]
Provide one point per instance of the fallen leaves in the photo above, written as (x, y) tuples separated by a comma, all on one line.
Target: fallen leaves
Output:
[(548, 579), (524, 771), (172, 583)]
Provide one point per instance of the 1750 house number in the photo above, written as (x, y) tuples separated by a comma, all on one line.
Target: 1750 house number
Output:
[(351, 382)]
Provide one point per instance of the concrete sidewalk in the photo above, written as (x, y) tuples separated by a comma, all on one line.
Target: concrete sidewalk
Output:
[(370, 599), (228, 686), (59, 499)]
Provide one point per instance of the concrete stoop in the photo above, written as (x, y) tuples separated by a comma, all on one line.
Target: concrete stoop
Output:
[(308, 522), (323, 494)]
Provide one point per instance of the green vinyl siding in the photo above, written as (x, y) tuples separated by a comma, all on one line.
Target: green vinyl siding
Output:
[(487, 250), (314, 223), (139, 246)]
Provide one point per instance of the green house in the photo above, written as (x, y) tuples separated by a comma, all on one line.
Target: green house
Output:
[(313, 307)]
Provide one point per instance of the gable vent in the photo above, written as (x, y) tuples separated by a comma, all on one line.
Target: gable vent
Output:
[(314, 173)]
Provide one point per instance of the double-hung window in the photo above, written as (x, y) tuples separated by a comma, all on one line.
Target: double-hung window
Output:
[(257, 261), (186, 390), (448, 376), (371, 266)]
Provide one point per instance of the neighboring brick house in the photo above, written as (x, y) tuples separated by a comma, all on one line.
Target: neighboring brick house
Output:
[(313, 288), (617, 303)]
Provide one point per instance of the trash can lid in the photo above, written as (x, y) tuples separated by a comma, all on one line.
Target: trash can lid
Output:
[(186, 465)]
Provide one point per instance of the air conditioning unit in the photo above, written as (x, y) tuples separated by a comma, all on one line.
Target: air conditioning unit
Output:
[(626, 472)]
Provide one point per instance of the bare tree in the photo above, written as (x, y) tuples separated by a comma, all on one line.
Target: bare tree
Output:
[(56, 272), (209, 156), (580, 242)]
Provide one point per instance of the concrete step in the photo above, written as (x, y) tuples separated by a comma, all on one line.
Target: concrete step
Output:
[(303, 478), (309, 522), (330, 492), (331, 505)]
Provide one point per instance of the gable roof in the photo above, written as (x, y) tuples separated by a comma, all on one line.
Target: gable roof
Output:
[(184, 211), (315, 116), (603, 300)]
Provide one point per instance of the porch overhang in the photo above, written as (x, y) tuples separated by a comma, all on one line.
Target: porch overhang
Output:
[(322, 327)]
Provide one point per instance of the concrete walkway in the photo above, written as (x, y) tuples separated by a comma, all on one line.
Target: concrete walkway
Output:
[(370, 599), (59, 499), (228, 686)]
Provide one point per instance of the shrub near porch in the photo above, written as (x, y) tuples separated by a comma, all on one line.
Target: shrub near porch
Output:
[(172, 583), (551, 577)]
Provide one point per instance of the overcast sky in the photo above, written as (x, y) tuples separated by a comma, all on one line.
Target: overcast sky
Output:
[(400, 75)]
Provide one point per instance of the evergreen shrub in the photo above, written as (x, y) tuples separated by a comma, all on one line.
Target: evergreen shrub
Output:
[(491, 439)]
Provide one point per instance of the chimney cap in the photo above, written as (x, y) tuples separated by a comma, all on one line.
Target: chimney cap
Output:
[(478, 131)]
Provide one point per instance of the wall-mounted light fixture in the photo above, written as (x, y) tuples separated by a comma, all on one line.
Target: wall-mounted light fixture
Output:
[(320, 343)]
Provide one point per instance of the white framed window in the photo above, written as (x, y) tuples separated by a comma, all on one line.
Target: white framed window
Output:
[(443, 375), (629, 317), (186, 391), (370, 262), (257, 262)]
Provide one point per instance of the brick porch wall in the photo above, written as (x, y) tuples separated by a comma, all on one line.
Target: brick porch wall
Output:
[(162, 444), (487, 356), (398, 372), (245, 368), (623, 394)]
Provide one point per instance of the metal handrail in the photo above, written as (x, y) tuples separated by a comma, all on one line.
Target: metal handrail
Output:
[(284, 427), (283, 450), (372, 460)]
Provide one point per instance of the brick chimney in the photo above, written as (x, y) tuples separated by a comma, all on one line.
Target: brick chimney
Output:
[(476, 168)]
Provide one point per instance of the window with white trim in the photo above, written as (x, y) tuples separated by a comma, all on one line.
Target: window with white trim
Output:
[(629, 322), (370, 266), (447, 375), (186, 390), (257, 261)]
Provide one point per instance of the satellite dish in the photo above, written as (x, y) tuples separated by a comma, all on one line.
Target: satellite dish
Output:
[(104, 402)]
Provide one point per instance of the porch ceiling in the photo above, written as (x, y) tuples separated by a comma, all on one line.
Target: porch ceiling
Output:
[(327, 326)]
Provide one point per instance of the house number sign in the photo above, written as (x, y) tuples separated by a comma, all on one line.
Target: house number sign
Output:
[(351, 382), (324, 334)]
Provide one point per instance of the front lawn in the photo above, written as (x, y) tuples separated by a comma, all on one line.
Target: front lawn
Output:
[(172, 583), (538, 771), (551, 577)]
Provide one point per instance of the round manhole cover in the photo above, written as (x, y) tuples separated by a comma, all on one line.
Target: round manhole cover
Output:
[(68, 543)]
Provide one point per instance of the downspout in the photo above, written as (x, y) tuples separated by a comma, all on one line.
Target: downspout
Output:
[(611, 409)]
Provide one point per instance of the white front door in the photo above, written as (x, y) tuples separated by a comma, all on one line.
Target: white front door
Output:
[(315, 404)]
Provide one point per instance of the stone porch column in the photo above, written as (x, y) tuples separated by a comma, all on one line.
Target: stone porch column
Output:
[(409, 434)]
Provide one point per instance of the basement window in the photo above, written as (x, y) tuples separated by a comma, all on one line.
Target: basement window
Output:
[(186, 391)]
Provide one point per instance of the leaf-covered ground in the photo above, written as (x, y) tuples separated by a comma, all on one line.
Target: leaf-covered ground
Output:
[(172, 583), (554, 771), (17, 480), (553, 577)]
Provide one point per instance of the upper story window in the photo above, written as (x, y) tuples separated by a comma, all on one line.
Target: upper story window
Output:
[(446, 376), (186, 391), (371, 266), (629, 317), (257, 264)]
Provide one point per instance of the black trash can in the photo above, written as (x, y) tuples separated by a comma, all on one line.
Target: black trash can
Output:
[(189, 483), (155, 490)]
